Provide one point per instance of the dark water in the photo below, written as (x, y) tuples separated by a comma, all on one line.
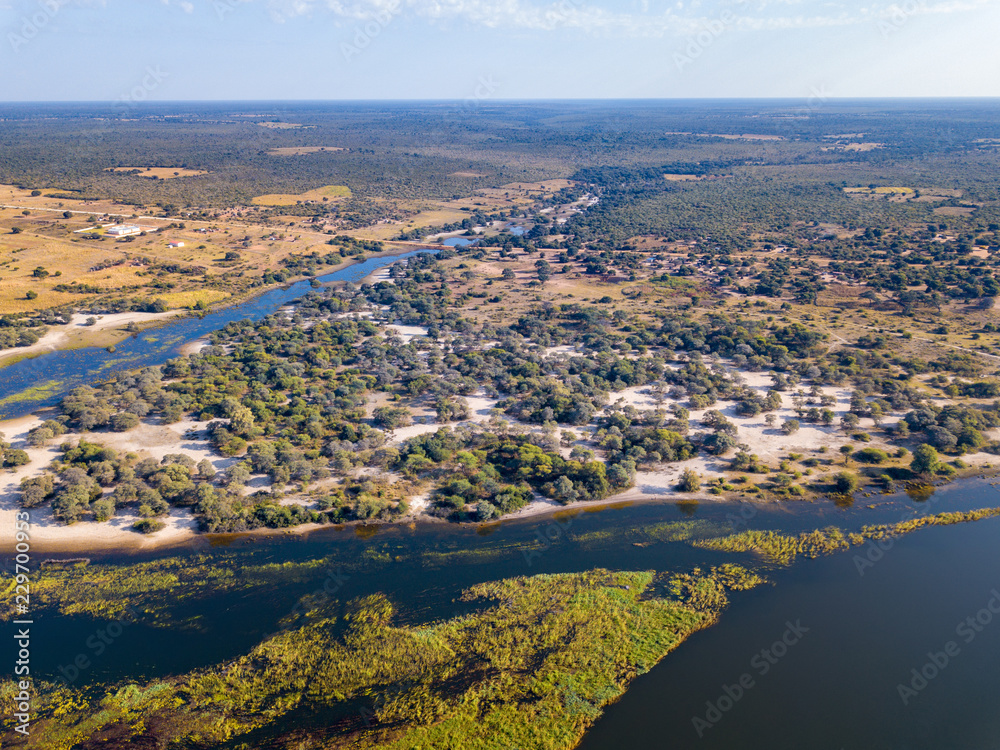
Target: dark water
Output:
[(836, 687), (64, 370)]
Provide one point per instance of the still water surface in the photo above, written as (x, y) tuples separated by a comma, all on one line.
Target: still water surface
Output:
[(836, 687)]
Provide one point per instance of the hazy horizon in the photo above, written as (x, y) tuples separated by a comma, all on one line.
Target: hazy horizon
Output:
[(393, 50)]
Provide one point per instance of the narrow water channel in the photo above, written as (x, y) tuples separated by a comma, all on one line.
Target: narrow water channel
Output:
[(60, 371)]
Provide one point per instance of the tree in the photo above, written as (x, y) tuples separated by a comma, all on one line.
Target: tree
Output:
[(103, 509), (790, 426), (15, 457), (926, 460), (846, 483), (391, 418), (871, 456), (847, 450), (124, 421)]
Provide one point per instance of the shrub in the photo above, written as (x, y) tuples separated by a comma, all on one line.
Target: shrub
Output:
[(871, 456), (124, 421), (15, 457), (148, 526), (690, 481), (103, 509)]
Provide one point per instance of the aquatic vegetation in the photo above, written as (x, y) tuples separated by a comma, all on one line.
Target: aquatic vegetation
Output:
[(782, 549), (533, 667), (38, 392), (941, 519), (150, 590), (779, 548)]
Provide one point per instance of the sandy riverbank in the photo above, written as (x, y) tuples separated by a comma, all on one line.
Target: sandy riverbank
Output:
[(48, 535)]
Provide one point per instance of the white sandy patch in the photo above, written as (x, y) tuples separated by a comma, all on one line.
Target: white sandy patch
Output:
[(407, 333), (539, 506), (564, 349), (47, 534), (419, 503), (157, 440), (401, 434), (194, 347), (770, 444), (480, 408)]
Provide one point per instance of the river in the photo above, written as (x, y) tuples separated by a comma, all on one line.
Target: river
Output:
[(41, 381), (856, 639), (836, 686)]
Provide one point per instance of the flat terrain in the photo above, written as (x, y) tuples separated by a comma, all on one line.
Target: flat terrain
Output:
[(159, 173)]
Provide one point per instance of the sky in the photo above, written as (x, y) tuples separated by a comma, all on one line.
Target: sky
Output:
[(109, 50)]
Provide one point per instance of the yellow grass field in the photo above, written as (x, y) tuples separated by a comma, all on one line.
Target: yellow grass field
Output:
[(732, 136), (160, 173), (302, 150), (190, 298), (436, 213), (279, 199)]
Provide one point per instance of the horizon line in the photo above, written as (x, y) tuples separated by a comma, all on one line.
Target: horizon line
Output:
[(511, 100)]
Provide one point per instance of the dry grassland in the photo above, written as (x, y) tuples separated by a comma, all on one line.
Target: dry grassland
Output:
[(302, 150), (280, 199), (160, 173)]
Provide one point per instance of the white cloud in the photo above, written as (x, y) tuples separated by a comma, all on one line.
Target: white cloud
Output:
[(644, 21), (184, 5)]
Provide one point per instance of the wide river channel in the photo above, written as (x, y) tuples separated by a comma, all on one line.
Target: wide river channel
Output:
[(813, 659)]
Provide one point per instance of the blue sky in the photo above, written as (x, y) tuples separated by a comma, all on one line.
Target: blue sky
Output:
[(508, 49)]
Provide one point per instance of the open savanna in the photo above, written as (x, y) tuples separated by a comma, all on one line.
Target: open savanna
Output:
[(512, 197), (159, 173), (11, 195), (302, 150), (327, 192), (49, 250)]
